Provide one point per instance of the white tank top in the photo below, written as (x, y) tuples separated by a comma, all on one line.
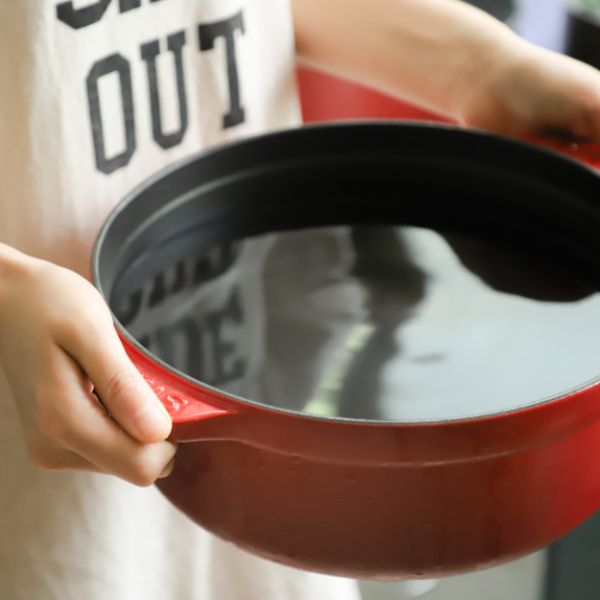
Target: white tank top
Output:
[(96, 95)]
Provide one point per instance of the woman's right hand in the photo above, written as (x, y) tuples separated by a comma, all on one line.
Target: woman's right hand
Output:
[(58, 349)]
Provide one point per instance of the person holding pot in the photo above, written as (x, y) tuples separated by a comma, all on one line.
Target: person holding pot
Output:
[(97, 96)]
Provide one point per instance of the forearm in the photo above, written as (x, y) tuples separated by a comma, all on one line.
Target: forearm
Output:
[(430, 52)]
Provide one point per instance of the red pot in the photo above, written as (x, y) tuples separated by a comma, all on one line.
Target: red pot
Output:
[(369, 499)]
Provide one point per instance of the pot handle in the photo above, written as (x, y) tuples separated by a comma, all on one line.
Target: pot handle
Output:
[(197, 412)]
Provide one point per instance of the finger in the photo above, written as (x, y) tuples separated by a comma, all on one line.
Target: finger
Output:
[(168, 469), (87, 431), (117, 382), (49, 456)]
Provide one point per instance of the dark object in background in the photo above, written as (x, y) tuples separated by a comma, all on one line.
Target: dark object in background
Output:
[(583, 32), (501, 9)]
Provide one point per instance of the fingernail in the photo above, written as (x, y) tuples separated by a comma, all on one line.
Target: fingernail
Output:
[(151, 420), (167, 470)]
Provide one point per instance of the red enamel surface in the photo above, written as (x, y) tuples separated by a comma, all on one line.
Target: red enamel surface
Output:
[(586, 152), (382, 500)]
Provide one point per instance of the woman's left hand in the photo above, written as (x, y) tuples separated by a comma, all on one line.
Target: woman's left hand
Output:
[(531, 91)]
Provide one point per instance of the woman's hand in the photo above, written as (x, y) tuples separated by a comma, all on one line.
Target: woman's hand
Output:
[(527, 90), (58, 349)]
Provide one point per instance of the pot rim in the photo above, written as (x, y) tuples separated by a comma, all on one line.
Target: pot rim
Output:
[(568, 395)]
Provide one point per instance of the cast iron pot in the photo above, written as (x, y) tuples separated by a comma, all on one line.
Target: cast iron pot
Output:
[(357, 498)]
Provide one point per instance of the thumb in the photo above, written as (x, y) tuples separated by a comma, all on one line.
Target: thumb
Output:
[(119, 385)]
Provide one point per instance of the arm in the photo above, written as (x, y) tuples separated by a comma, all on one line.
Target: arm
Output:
[(453, 59)]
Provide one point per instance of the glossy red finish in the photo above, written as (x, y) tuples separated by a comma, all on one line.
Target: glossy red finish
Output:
[(587, 152), (382, 500), (327, 98), (384, 520)]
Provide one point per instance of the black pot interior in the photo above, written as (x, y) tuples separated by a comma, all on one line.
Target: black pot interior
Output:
[(377, 271)]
